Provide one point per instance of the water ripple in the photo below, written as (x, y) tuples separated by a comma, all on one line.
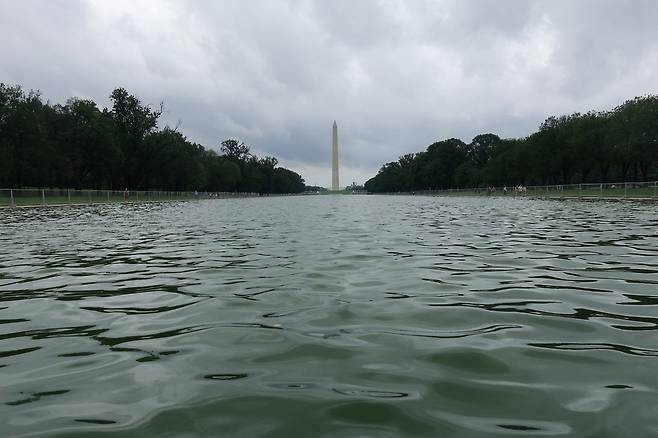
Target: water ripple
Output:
[(330, 316)]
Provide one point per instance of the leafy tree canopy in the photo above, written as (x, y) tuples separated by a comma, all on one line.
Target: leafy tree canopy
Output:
[(79, 145), (620, 145)]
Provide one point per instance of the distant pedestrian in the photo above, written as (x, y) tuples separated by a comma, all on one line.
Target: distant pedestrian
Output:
[(126, 194)]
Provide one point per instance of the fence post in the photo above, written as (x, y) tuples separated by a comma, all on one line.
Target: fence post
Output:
[(600, 190), (43, 196), (89, 196), (654, 188), (108, 196), (68, 193), (137, 195), (11, 195), (625, 190)]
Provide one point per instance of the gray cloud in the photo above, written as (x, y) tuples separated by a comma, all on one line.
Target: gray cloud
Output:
[(396, 75)]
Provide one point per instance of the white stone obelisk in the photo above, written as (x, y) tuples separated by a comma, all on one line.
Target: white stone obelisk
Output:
[(334, 157)]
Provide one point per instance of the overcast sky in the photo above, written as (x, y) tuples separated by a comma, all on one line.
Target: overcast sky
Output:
[(396, 75)]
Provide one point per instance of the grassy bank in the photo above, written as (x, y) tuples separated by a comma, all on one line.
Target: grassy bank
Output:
[(643, 190), (49, 197)]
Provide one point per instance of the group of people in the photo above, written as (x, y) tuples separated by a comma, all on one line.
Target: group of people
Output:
[(518, 190)]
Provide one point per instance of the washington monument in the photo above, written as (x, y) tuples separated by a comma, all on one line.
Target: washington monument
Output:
[(334, 157)]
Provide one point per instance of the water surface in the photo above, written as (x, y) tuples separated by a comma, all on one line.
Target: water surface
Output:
[(330, 316)]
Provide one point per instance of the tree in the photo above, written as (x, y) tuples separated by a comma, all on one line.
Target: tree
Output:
[(481, 149), (443, 158), (287, 181), (586, 140), (79, 145), (133, 122), (235, 150), (572, 148), (87, 136)]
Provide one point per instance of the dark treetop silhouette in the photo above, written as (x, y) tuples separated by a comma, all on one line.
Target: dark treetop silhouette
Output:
[(78, 145), (617, 145)]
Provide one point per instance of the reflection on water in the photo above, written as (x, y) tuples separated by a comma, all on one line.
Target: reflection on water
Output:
[(330, 316)]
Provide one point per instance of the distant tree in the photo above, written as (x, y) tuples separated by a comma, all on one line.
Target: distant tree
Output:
[(26, 135), (235, 150), (641, 118), (223, 174), (443, 158), (595, 146), (133, 121), (267, 166), (79, 145), (87, 136), (287, 181), (480, 150), (10, 100), (175, 163), (586, 140)]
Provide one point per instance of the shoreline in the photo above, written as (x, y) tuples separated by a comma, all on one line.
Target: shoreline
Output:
[(69, 203), (527, 196)]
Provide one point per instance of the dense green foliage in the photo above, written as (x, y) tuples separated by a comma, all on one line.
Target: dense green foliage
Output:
[(78, 145), (619, 145)]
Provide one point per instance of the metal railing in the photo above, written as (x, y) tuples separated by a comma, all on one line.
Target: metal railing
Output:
[(647, 190), (36, 197)]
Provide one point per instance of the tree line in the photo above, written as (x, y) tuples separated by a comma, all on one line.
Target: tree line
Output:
[(79, 145), (617, 145)]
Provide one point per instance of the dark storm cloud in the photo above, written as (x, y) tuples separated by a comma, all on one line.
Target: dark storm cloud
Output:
[(396, 75)]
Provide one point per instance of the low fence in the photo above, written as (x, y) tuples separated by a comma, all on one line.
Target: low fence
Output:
[(647, 190), (35, 197)]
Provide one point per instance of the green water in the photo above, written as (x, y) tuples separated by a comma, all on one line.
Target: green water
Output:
[(332, 316)]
